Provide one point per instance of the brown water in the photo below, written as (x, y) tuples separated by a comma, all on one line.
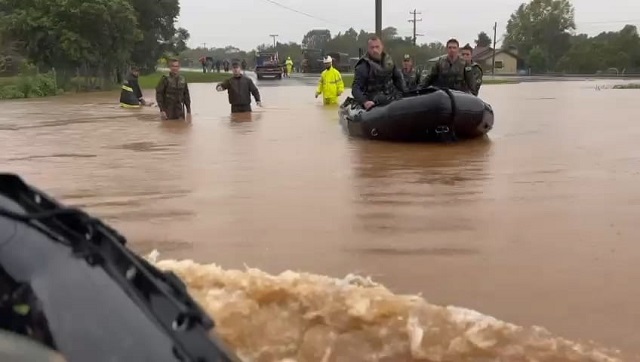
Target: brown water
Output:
[(533, 226)]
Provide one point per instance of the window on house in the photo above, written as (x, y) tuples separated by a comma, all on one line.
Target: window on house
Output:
[(499, 64)]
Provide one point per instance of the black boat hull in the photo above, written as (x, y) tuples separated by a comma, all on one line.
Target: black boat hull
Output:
[(88, 296), (424, 116)]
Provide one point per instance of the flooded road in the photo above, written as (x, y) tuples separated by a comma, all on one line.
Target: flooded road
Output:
[(534, 225)]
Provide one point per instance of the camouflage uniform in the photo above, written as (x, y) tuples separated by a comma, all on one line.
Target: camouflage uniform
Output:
[(172, 96), (377, 81), (477, 75), (411, 79), (453, 75)]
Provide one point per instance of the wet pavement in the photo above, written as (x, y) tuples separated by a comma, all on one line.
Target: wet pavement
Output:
[(534, 225)]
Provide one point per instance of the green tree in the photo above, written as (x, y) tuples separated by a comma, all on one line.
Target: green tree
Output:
[(316, 39), (607, 50), (95, 36), (156, 20), (537, 60), (544, 23), (483, 40)]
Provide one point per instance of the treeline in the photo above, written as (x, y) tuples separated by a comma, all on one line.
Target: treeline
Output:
[(350, 42), (542, 31), (96, 40)]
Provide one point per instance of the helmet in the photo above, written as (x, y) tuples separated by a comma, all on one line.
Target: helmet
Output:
[(327, 59)]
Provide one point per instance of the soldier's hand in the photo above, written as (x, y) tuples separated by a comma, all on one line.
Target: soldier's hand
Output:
[(163, 116), (317, 94), (219, 88), (368, 105)]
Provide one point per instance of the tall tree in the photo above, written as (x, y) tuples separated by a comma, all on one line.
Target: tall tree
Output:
[(483, 40), (547, 24), (156, 20), (316, 39)]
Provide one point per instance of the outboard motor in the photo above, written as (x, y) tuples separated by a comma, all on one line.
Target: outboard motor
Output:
[(69, 282)]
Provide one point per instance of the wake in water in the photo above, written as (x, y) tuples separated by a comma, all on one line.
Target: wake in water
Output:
[(309, 318)]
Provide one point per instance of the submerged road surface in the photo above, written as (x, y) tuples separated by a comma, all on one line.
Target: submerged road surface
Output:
[(536, 225)]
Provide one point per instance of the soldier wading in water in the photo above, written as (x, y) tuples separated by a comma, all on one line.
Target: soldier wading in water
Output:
[(172, 94)]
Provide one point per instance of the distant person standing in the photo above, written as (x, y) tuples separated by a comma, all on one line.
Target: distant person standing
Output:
[(288, 66), (331, 85), (243, 65), (172, 94), (218, 65), (240, 89)]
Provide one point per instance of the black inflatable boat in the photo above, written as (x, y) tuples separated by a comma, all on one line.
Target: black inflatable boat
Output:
[(69, 282), (430, 114)]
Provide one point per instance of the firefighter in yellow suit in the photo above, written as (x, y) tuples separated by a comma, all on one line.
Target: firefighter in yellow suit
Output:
[(331, 85)]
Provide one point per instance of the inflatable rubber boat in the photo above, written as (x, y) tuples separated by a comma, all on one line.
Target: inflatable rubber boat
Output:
[(68, 282), (430, 114)]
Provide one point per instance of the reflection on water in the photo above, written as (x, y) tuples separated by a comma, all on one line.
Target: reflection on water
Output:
[(535, 225)]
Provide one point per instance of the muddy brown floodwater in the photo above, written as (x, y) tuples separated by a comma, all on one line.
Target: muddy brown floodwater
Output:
[(536, 225)]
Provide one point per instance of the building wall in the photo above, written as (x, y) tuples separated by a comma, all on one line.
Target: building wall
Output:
[(509, 64)]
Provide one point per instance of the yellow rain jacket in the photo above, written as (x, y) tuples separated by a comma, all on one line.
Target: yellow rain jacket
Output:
[(331, 86), (289, 64)]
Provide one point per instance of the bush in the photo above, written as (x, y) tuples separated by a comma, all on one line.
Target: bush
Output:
[(30, 86)]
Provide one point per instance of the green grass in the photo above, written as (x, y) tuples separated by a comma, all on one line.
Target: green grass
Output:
[(499, 81), (151, 80), (627, 86), (8, 81), (348, 80)]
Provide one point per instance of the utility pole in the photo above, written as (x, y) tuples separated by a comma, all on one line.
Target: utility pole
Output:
[(274, 36), (204, 45), (379, 18), (414, 21), (493, 61)]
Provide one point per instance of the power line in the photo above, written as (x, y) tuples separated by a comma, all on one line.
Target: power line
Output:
[(305, 14), (414, 21)]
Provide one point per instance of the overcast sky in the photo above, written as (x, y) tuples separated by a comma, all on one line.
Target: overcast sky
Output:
[(247, 23)]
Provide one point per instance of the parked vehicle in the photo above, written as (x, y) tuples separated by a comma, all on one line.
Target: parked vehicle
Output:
[(268, 66)]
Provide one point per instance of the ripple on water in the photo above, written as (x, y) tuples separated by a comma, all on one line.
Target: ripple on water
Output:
[(306, 317)]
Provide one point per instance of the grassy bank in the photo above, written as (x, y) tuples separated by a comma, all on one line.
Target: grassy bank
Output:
[(29, 86), (348, 80), (151, 80), (627, 86)]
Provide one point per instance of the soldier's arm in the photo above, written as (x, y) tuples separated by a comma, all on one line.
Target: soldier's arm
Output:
[(225, 84), (359, 85), (160, 93), (254, 90), (398, 80), (470, 79), (478, 74), (187, 98), (433, 75)]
